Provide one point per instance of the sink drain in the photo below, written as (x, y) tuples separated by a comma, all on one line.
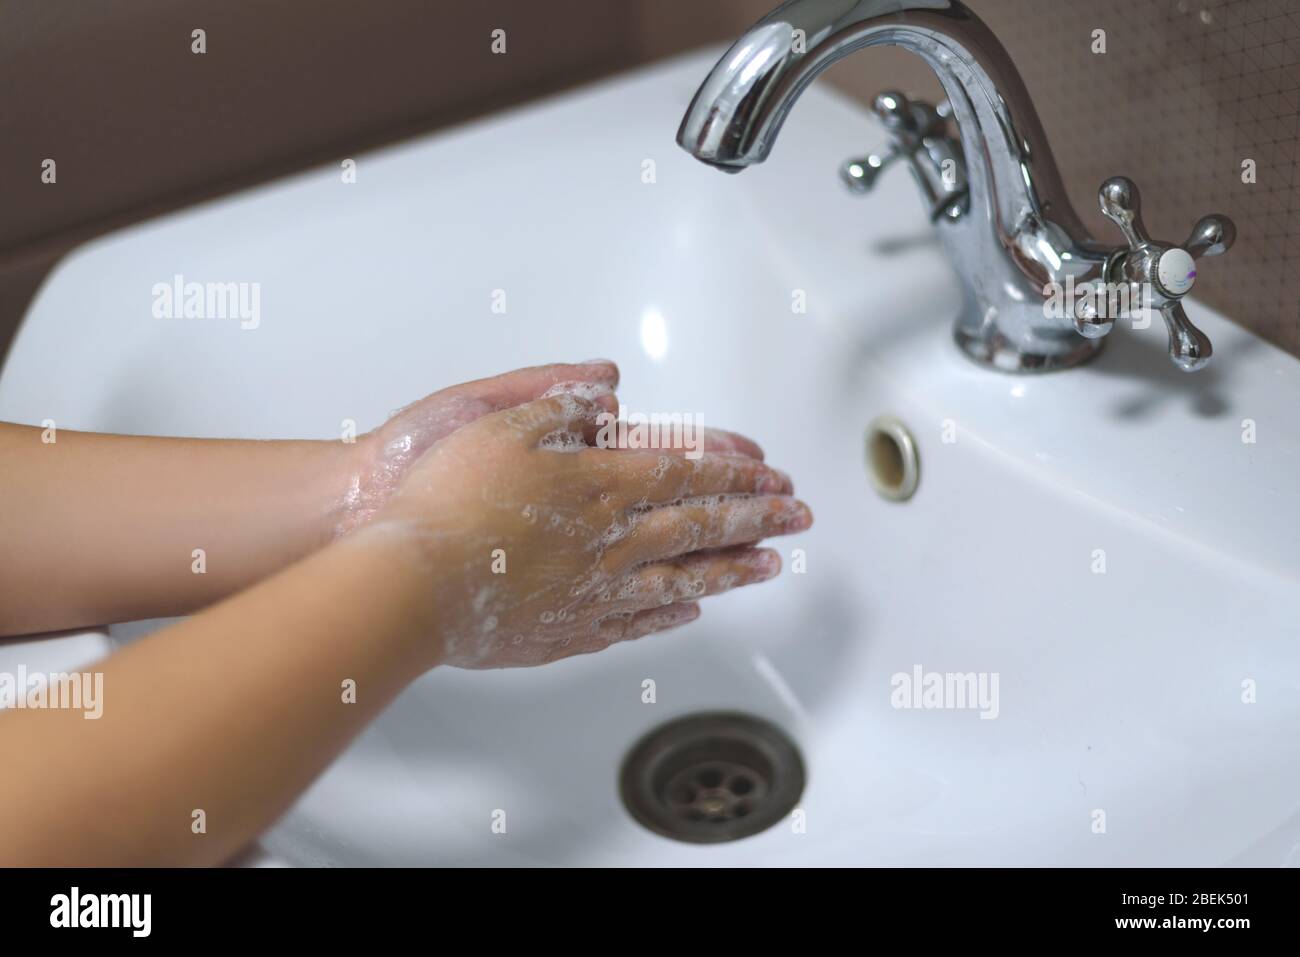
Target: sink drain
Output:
[(711, 777), (892, 459)]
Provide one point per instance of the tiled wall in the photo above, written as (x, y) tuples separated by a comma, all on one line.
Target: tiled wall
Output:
[(1185, 92), (138, 124)]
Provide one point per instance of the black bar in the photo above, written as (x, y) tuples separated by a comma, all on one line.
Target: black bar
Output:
[(331, 906)]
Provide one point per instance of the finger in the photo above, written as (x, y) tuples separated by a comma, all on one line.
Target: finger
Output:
[(717, 522), (691, 577), (720, 440), (709, 440), (627, 626), (590, 379), (561, 422), (438, 415), (659, 478)]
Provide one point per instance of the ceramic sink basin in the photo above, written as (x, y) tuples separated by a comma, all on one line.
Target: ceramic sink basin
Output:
[(1102, 542)]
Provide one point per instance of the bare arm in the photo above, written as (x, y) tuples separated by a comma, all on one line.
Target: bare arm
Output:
[(104, 528), (231, 713), (234, 711)]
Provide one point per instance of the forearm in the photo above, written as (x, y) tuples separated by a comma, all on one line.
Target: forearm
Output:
[(104, 528), (231, 713)]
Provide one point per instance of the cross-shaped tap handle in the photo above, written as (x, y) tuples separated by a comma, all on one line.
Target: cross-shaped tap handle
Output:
[(1167, 271), (908, 122), (918, 137)]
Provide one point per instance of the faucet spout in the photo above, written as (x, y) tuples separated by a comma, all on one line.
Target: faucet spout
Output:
[(1020, 233), (737, 113)]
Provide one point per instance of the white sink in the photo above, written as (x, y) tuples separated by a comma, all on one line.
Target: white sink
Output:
[(1119, 692)]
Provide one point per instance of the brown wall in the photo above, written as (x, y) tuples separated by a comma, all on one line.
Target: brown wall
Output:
[(138, 124), (1186, 91)]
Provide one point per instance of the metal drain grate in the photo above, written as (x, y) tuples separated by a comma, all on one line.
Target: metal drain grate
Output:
[(712, 777)]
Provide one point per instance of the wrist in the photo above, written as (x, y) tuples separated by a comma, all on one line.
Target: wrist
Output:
[(366, 475), (402, 555)]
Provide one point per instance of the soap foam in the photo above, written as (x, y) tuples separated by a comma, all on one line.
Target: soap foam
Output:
[(525, 616)]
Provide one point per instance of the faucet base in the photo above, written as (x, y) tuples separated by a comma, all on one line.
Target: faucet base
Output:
[(990, 348)]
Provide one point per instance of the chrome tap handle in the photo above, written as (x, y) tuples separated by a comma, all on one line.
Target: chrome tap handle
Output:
[(1213, 235), (860, 174), (1121, 203), (905, 123), (919, 134), (1166, 271), (1189, 348)]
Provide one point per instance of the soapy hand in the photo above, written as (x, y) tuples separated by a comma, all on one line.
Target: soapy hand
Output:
[(534, 545), (384, 455), (478, 528)]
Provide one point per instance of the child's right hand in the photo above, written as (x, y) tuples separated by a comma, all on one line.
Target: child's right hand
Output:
[(526, 553)]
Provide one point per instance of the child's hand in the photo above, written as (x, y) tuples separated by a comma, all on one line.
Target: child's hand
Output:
[(384, 455), (532, 545)]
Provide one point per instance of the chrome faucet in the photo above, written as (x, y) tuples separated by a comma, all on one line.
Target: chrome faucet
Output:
[(995, 196)]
